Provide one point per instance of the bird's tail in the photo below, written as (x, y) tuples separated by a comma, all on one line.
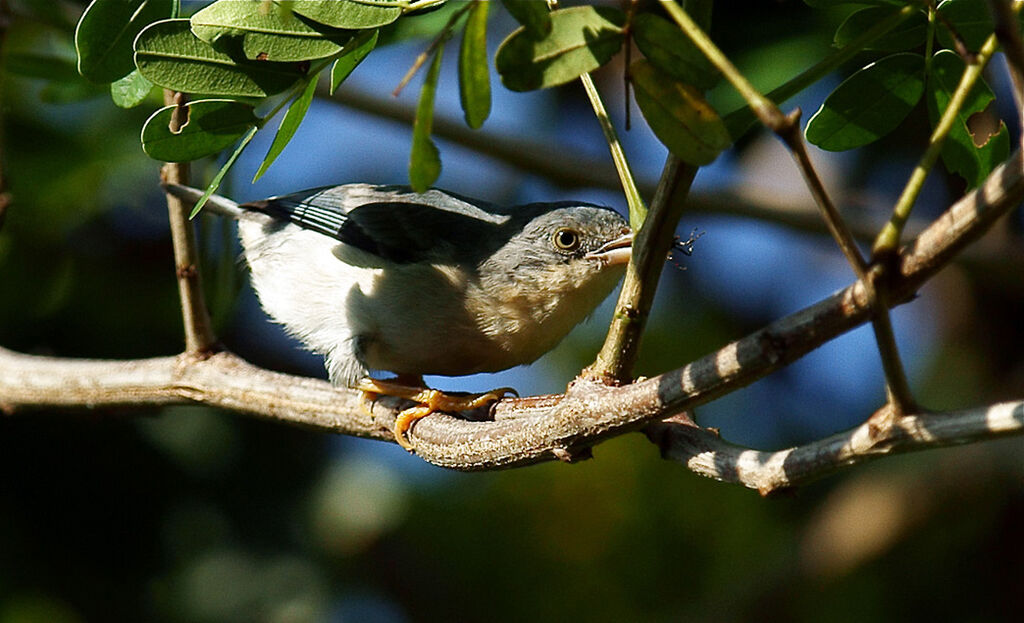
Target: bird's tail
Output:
[(216, 204)]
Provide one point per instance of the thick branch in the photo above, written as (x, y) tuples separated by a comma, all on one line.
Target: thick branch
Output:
[(220, 380), (523, 431)]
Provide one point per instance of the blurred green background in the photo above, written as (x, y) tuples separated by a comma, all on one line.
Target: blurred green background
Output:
[(194, 515)]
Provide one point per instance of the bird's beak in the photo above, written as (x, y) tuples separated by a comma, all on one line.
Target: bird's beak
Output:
[(614, 252)]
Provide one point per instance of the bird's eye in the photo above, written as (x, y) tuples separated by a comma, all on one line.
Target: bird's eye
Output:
[(566, 239)]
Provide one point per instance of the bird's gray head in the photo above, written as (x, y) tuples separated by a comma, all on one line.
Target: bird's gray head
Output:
[(571, 252)]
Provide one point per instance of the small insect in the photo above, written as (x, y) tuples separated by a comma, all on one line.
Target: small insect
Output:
[(683, 246)]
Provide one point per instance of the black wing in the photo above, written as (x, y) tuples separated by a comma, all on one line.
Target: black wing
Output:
[(392, 222)]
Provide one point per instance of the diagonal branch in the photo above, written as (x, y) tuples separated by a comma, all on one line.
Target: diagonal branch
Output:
[(528, 430), (705, 453)]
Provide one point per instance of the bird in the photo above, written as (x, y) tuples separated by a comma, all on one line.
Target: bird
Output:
[(379, 278)]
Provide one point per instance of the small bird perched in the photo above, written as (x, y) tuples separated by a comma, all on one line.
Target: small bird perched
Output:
[(382, 278)]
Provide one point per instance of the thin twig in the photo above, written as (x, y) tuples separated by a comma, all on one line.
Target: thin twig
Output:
[(443, 36), (637, 209), (578, 170), (787, 128), (199, 337)]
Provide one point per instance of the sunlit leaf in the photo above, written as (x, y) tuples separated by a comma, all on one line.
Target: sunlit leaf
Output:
[(130, 91), (350, 14), (909, 34), (869, 104), (265, 31), (474, 73), (533, 15), (978, 140), (425, 160), (672, 52), (169, 55), (210, 126), (581, 40), (106, 31), (289, 124), (678, 114), (354, 52)]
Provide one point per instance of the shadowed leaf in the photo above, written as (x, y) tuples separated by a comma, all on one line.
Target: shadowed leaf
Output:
[(106, 31), (678, 114), (979, 140), (869, 104)]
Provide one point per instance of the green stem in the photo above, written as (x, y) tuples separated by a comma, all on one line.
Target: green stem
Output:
[(637, 209), (314, 73), (889, 238)]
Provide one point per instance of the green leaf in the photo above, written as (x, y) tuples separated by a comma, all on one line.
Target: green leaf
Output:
[(971, 19), (265, 32), (169, 55), (910, 34), (474, 73), (533, 15), (581, 40), (352, 54), (106, 31), (130, 91), (289, 124), (678, 114), (210, 126), (979, 140), (869, 104), (672, 52), (350, 14), (425, 160), (217, 179)]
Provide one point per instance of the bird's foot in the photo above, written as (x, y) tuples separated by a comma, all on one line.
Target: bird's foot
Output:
[(430, 401)]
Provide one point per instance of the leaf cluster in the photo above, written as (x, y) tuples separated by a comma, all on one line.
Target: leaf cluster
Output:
[(923, 57), (244, 61)]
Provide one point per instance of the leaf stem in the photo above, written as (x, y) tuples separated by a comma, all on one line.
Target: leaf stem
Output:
[(443, 36), (637, 209), (888, 238)]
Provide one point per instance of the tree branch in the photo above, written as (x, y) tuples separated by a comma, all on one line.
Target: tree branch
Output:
[(199, 336), (705, 453), (534, 429)]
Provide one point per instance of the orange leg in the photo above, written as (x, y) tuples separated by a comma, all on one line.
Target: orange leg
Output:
[(430, 400)]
